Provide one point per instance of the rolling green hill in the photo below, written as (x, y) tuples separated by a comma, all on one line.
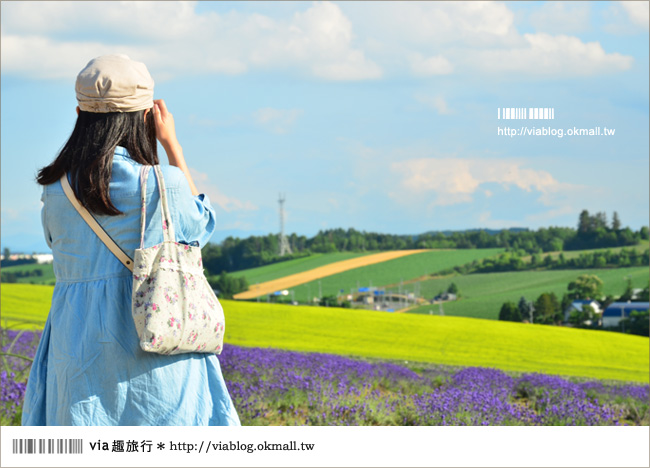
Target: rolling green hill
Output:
[(290, 267), (444, 340), (391, 272), (483, 294)]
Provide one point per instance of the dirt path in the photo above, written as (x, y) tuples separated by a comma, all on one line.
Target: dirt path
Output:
[(290, 281)]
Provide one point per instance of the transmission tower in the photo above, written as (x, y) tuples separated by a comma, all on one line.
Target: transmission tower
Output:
[(284, 243)]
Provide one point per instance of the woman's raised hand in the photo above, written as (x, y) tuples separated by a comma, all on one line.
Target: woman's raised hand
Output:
[(165, 128), (166, 134)]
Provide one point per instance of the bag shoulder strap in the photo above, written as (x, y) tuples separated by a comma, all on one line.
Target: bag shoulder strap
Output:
[(94, 225), (166, 217), (167, 226)]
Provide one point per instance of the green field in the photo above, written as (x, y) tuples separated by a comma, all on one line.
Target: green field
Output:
[(291, 267), (483, 294), (417, 338), (391, 272), (47, 268)]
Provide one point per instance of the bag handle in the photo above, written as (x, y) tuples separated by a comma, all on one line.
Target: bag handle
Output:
[(94, 225), (167, 226)]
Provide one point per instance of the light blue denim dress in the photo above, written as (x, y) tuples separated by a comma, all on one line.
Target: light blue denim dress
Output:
[(89, 368)]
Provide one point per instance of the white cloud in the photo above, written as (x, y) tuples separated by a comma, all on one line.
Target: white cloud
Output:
[(430, 38), (276, 120), (54, 40), (430, 66), (638, 12), (436, 103), (547, 55), (455, 180), (561, 17), (203, 184), (324, 40), (434, 23)]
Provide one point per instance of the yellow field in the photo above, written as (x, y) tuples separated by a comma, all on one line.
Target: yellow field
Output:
[(290, 281)]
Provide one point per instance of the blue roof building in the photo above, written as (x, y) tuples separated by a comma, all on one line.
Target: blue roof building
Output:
[(617, 311)]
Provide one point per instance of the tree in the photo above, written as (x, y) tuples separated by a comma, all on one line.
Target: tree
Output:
[(616, 222), (645, 294), (544, 311), (510, 312), (526, 309), (558, 314), (329, 301), (643, 233), (584, 222), (600, 220), (637, 323), (566, 302), (586, 287), (7, 253), (584, 318), (535, 260), (227, 286), (627, 294), (453, 289), (604, 304)]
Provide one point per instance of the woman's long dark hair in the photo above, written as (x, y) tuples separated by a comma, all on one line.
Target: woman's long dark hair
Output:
[(88, 154)]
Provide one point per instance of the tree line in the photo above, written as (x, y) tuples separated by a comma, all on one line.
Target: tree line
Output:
[(519, 260), (593, 231), (13, 276)]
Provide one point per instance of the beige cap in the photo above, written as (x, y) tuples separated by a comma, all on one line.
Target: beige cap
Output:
[(114, 83)]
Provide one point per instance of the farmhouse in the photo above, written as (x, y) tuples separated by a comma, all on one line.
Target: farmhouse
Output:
[(620, 310), (579, 304)]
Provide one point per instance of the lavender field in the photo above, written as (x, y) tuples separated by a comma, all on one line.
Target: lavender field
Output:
[(275, 387)]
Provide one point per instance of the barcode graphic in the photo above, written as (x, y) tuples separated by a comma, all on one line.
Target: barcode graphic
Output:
[(526, 113), (72, 446)]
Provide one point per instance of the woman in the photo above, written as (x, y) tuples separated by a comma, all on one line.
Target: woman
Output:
[(89, 368)]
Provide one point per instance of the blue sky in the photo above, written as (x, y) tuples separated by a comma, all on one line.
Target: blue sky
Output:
[(380, 116)]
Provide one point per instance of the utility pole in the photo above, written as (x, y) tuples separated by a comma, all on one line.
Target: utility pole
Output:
[(284, 243)]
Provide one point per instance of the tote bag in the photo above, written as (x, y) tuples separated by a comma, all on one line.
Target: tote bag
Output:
[(174, 308)]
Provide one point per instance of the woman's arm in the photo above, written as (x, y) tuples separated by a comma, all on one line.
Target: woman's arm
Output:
[(166, 134)]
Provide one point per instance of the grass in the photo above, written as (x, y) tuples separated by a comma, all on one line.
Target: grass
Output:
[(291, 267), (47, 268), (391, 272), (429, 339), (483, 294)]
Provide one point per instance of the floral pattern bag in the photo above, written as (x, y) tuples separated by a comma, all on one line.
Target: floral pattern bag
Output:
[(174, 308)]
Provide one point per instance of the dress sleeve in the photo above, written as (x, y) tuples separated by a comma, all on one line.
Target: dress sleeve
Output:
[(46, 230), (195, 215)]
